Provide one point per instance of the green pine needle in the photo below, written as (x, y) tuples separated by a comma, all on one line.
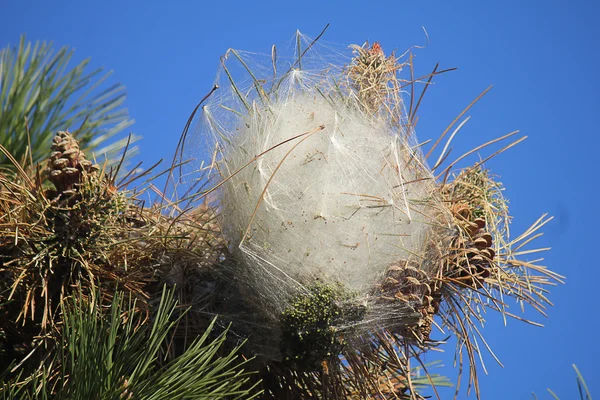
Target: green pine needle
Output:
[(110, 355), (41, 94)]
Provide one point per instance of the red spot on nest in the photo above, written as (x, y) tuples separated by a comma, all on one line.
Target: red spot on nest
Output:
[(376, 48)]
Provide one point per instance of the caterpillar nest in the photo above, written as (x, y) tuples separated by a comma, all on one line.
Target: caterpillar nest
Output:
[(342, 244)]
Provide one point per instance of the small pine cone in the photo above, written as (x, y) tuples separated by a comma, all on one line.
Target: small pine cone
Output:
[(408, 286), (67, 164), (426, 328)]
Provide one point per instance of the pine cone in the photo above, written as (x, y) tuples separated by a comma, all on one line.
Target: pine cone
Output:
[(479, 251), (67, 164), (412, 287)]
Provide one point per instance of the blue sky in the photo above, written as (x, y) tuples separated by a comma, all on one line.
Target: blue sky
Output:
[(541, 58)]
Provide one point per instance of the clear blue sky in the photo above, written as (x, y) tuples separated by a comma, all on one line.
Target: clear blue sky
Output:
[(541, 56)]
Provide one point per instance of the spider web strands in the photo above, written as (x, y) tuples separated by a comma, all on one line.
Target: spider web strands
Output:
[(257, 85)]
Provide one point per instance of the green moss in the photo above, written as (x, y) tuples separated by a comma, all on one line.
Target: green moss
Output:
[(311, 324)]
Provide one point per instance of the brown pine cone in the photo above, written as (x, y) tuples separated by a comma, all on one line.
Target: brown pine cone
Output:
[(67, 164)]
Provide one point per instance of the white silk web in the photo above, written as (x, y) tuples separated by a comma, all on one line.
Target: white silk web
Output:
[(313, 186)]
